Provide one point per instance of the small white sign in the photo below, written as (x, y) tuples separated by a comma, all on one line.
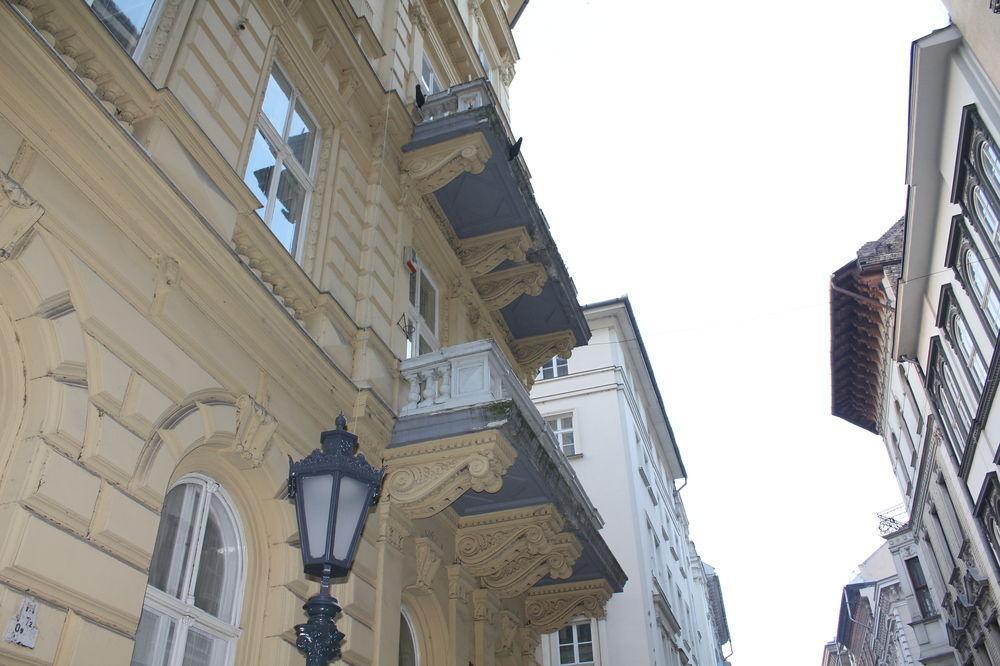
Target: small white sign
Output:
[(22, 630)]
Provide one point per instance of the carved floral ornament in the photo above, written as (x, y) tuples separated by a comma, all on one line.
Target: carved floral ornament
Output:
[(255, 428), (18, 213), (531, 353), (481, 254), (551, 607), (500, 288), (424, 479), (429, 558)]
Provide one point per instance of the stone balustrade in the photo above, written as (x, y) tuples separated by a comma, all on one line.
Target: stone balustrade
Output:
[(458, 376)]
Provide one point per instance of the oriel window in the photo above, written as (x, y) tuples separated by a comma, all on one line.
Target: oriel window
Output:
[(281, 166)]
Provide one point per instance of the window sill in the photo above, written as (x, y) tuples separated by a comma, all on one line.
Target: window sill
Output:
[(573, 456)]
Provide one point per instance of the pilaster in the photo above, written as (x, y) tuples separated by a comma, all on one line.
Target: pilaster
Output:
[(393, 529), (486, 609), (460, 586)]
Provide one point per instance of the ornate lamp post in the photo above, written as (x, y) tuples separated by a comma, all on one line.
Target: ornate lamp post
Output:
[(333, 489)]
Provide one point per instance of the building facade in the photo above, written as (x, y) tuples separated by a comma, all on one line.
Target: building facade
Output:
[(222, 222), (914, 357), (605, 409)]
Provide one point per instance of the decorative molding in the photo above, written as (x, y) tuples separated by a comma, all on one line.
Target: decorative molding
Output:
[(252, 247), (530, 639), (18, 213), (432, 167), (481, 254), (158, 40), (512, 550), (531, 353), (429, 558), (460, 583), (392, 528), (167, 275), (485, 606), (508, 634), (255, 428), (551, 607), (317, 205), (507, 71), (418, 17), (500, 288), (426, 478)]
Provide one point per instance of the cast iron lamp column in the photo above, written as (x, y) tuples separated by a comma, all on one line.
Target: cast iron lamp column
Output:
[(333, 489)]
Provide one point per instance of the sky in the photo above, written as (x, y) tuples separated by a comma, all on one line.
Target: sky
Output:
[(717, 161)]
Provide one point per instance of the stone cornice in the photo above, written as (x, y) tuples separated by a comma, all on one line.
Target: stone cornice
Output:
[(426, 478), (550, 607)]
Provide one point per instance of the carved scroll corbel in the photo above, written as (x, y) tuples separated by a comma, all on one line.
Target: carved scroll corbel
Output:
[(255, 428), (531, 353), (551, 607), (500, 288), (429, 558), (432, 167), (481, 254), (426, 478)]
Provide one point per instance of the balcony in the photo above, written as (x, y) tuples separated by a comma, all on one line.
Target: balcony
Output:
[(462, 161), (470, 439)]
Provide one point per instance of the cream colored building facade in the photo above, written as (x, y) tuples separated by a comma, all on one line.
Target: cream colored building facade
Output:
[(221, 223)]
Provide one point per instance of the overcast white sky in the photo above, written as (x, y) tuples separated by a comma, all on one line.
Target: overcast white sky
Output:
[(717, 161)]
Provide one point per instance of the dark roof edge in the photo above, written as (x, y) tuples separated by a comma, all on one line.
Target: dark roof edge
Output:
[(624, 300), (517, 16)]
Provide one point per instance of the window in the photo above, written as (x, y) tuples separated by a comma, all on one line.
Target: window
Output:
[(562, 427), (985, 212), (557, 366), (281, 166), (408, 654), (428, 77), (968, 352), (483, 60), (990, 157), (576, 645), (951, 406), (920, 589), (125, 19), (190, 614), (649, 486), (423, 312), (983, 292)]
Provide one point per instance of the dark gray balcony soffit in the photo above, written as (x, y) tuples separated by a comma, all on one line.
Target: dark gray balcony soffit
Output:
[(499, 198), (539, 475)]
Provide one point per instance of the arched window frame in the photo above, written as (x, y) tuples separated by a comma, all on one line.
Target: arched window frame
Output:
[(406, 616), (183, 611), (967, 261), (963, 344), (948, 403)]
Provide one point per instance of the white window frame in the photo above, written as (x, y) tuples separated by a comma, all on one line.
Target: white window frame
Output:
[(420, 329), (558, 365), (558, 432), (148, 28), (434, 85), (184, 613), (576, 644), (408, 618), (277, 140)]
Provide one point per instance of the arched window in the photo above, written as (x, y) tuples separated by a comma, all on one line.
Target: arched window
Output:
[(409, 655), (982, 289), (190, 615), (965, 346), (985, 212), (991, 164)]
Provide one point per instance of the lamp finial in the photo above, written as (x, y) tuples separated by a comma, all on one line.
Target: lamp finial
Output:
[(341, 422)]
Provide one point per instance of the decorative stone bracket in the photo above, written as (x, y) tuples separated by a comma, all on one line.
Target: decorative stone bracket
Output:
[(432, 167), (551, 607), (426, 478), (429, 558), (481, 254), (512, 550), (255, 428), (18, 213), (502, 287), (531, 353)]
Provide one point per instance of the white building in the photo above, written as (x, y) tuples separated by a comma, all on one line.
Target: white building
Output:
[(604, 406)]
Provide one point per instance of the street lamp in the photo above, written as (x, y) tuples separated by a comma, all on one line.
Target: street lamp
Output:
[(333, 489)]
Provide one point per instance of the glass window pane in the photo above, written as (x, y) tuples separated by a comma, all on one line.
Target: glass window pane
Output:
[(413, 288), (317, 492), (291, 200), (425, 346), (154, 639), (277, 96), (566, 655), (991, 165), (302, 137), (203, 649), (219, 566), (566, 635), (984, 209), (352, 503), (586, 653), (124, 19), (407, 648), (260, 167), (583, 633), (174, 539), (547, 372), (428, 303)]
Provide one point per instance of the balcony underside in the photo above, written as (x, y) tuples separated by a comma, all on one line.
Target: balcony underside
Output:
[(498, 198)]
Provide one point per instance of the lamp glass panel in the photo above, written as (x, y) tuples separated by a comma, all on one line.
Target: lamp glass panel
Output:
[(317, 491), (352, 502)]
